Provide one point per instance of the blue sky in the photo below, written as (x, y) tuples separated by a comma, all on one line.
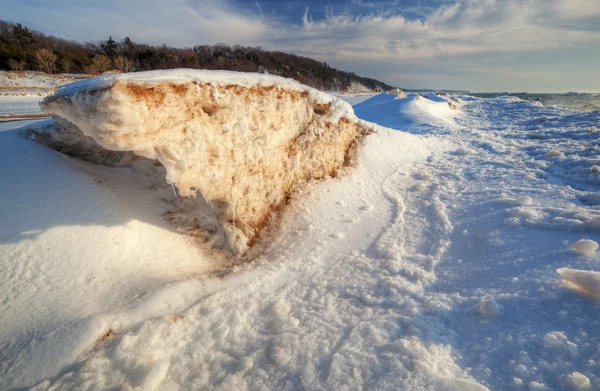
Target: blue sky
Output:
[(478, 45)]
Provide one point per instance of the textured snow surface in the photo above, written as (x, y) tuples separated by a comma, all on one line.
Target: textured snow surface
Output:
[(184, 76), (399, 110), (443, 261)]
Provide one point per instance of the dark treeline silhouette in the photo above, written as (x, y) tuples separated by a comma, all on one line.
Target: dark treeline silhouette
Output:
[(25, 49)]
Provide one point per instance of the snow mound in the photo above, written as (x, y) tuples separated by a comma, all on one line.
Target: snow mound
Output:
[(582, 280), (399, 92), (578, 381), (554, 153), (585, 246), (488, 308), (558, 341), (395, 111), (245, 142)]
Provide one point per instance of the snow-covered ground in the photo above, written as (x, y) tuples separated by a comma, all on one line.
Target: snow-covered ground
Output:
[(14, 105), (433, 265), (35, 80)]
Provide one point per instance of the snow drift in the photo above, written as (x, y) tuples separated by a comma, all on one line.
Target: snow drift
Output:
[(243, 141), (398, 110)]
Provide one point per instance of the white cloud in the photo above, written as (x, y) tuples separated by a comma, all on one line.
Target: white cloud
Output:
[(473, 26), (458, 34)]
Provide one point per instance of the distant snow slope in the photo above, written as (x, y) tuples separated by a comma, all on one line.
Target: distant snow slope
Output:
[(444, 261), (39, 80)]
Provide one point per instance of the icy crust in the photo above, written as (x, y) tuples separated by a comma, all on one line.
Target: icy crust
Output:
[(216, 78), (242, 141)]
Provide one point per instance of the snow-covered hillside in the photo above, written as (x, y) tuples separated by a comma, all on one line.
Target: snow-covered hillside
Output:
[(444, 260), (35, 80)]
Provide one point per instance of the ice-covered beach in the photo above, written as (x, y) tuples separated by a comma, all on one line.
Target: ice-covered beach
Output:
[(458, 253)]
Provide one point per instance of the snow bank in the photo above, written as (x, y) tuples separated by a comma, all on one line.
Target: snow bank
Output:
[(396, 110), (243, 141), (586, 281)]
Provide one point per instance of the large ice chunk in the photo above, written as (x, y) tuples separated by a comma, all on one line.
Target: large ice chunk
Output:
[(243, 141)]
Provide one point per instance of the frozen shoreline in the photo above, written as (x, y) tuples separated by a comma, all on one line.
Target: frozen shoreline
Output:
[(433, 265)]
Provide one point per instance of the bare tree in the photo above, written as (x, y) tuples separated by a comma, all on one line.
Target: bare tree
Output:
[(65, 64), (124, 64), (46, 60), (17, 65), (100, 65)]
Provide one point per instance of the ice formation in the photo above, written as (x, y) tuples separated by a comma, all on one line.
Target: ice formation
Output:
[(488, 308), (243, 141), (585, 246), (582, 280), (554, 153), (578, 381)]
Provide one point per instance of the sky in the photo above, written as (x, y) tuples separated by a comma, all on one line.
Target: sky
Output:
[(476, 45)]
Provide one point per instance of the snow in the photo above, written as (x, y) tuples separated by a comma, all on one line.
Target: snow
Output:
[(353, 98), (185, 76), (65, 240), (583, 280), (578, 381), (14, 105), (34, 80), (488, 308), (400, 274), (396, 111), (554, 153), (585, 246)]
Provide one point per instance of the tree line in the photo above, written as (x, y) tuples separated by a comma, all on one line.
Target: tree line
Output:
[(24, 49)]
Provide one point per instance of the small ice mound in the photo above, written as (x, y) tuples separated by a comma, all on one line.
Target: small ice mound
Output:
[(557, 340), (585, 281), (578, 381), (592, 129), (522, 201), (535, 386), (463, 152), (585, 247), (420, 186), (595, 169), (488, 308), (512, 221), (424, 175), (554, 153), (525, 200), (397, 91), (458, 384)]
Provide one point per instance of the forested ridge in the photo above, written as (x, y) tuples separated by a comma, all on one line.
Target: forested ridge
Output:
[(24, 49)]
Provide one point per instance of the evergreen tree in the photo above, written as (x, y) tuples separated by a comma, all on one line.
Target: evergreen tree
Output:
[(110, 47), (128, 43), (23, 36)]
